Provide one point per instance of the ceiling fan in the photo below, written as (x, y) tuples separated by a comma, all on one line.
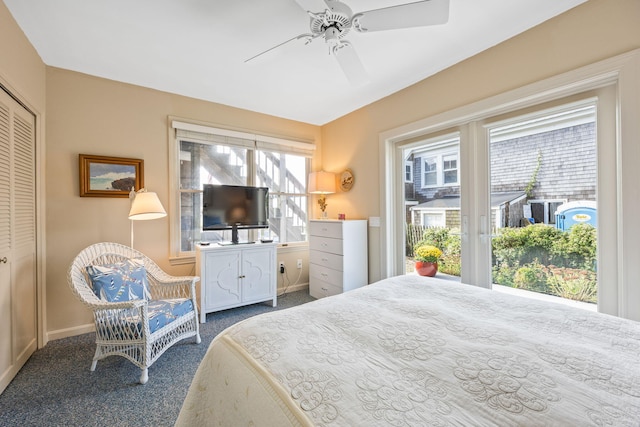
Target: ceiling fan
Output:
[(333, 20)]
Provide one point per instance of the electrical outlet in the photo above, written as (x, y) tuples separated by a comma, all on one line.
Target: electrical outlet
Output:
[(299, 264), (281, 267)]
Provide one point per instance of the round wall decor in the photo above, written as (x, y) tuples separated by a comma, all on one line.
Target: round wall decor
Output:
[(346, 180)]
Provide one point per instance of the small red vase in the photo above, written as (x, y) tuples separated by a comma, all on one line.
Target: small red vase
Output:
[(425, 268)]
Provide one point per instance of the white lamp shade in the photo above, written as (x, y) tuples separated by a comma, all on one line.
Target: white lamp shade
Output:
[(146, 205), (322, 182)]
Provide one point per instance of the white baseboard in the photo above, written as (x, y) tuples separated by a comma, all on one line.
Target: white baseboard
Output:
[(70, 332), (293, 288)]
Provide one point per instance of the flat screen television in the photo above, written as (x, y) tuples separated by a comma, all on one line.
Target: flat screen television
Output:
[(233, 207)]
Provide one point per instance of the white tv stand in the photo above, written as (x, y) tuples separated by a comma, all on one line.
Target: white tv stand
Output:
[(235, 275)]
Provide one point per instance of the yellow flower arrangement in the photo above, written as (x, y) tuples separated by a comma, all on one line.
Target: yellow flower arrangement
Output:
[(427, 253)]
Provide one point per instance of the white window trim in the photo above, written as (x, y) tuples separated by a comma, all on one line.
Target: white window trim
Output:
[(619, 206), (265, 142)]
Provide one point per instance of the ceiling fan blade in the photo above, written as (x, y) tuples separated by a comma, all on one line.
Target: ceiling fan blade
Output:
[(350, 63), (418, 14), (302, 39), (312, 5)]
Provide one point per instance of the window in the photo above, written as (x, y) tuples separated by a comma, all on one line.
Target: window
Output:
[(440, 170), (433, 219), (430, 171), (285, 176), (408, 171), (615, 173), (206, 155), (450, 168)]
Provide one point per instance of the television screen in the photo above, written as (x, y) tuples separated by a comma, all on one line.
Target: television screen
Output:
[(231, 207)]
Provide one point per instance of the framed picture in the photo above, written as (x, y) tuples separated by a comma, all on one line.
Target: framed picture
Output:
[(102, 176)]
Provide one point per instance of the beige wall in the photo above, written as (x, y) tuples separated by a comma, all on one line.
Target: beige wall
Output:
[(596, 30), (21, 69), (91, 115)]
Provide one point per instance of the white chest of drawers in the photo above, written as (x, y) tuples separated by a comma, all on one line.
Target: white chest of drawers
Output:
[(338, 258)]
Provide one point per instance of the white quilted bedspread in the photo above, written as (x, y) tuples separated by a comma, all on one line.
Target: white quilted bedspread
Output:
[(414, 351)]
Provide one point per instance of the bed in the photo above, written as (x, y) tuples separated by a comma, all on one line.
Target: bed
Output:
[(416, 351)]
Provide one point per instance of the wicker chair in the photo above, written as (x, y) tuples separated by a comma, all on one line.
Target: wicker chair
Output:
[(123, 328)]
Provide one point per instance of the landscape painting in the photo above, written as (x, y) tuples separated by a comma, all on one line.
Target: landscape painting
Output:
[(102, 176)]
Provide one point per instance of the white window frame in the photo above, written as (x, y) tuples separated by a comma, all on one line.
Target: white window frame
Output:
[(617, 181), (202, 129)]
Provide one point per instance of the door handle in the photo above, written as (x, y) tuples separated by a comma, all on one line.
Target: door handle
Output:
[(3, 260)]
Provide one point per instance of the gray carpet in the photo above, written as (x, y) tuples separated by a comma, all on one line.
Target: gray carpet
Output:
[(56, 388)]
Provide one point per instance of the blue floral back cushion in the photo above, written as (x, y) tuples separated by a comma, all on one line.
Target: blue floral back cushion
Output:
[(122, 281)]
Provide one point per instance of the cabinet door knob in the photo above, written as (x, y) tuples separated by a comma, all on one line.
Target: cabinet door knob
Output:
[(242, 277), (3, 260)]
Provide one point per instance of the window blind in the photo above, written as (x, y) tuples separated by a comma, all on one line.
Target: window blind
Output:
[(215, 135)]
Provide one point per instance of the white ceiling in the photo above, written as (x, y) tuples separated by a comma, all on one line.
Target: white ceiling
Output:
[(197, 48)]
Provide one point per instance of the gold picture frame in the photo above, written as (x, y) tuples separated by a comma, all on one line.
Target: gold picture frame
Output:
[(346, 180), (104, 176)]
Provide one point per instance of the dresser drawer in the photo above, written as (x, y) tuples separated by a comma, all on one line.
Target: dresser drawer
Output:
[(320, 289), (326, 259), (326, 229), (326, 244), (325, 274)]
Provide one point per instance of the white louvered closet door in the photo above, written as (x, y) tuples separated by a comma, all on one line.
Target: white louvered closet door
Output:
[(17, 238)]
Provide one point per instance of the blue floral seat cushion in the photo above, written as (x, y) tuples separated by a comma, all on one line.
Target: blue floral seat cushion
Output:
[(163, 312), (122, 281)]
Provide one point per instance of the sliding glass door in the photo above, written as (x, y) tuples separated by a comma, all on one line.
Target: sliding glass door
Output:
[(543, 203), (432, 185), (521, 199)]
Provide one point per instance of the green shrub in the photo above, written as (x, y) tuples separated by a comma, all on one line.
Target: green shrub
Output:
[(577, 247), (572, 283), (450, 264), (525, 245), (436, 236), (504, 274), (532, 277)]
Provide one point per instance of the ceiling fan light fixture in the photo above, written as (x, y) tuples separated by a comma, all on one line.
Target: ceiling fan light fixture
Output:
[(334, 20), (332, 36)]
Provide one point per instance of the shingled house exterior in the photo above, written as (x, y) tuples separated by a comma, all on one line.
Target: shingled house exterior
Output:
[(536, 166)]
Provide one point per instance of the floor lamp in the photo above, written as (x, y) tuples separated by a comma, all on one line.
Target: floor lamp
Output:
[(144, 205)]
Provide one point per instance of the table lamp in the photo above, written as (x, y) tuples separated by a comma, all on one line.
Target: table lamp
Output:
[(322, 183)]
